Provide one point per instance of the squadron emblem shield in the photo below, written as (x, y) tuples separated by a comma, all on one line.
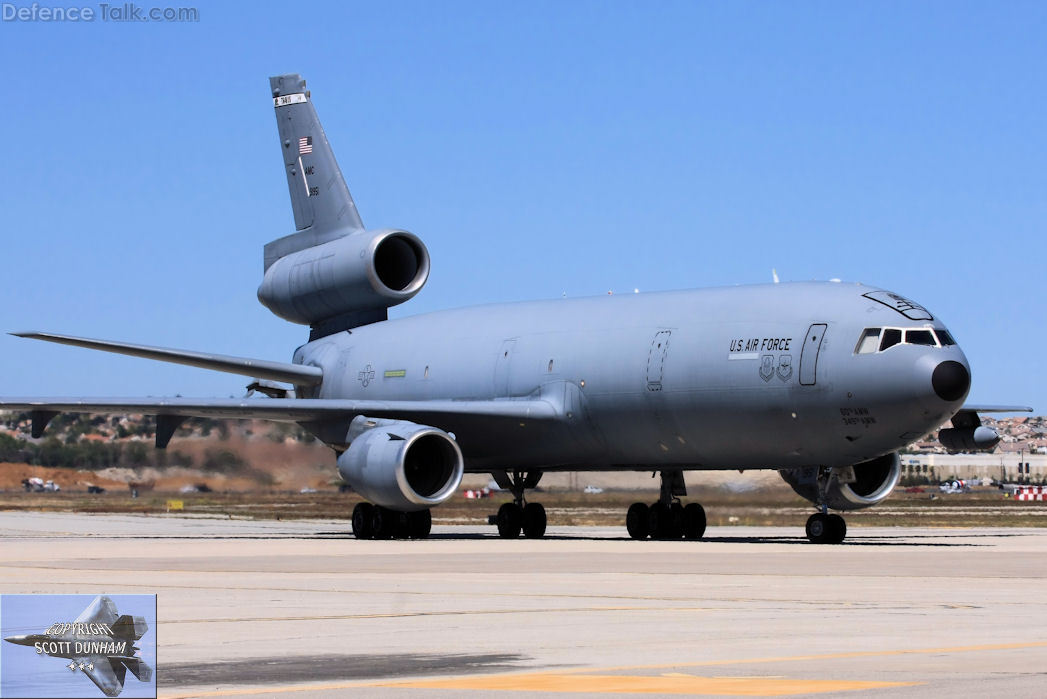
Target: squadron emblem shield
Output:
[(767, 367)]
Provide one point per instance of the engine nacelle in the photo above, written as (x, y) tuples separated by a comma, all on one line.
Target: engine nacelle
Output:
[(980, 438), (365, 271), (401, 465), (851, 487)]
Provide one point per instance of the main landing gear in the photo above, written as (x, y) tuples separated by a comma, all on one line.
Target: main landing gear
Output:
[(823, 527), (377, 522), (668, 518), (519, 515)]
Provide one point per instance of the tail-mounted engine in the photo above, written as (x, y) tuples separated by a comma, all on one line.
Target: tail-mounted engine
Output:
[(401, 465), (359, 276), (850, 487), (331, 273)]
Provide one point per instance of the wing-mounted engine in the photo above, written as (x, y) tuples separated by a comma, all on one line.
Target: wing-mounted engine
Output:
[(851, 487), (359, 275), (401, 465)]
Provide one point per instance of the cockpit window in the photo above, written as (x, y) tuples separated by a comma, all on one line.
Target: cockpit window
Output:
[(920, 337), (891, 337), (869, 342), (944, 337), (879, 339)]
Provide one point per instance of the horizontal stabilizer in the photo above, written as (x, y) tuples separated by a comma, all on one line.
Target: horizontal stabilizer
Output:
[(297, 374)]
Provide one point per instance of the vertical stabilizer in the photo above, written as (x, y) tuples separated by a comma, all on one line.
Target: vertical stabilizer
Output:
[(323, 208)]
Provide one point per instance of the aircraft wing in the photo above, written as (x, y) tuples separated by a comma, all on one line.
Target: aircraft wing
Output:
[(109, 676), (245, 366), (995, 409), (483, 423), (100, 611), (967, 416), (289, 409)]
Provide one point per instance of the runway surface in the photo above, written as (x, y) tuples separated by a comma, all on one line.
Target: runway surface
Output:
[(302, 609)]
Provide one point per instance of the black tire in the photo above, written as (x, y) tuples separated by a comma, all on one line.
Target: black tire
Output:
[(693, 521), (819, 528), (534, 520), (661, 521), (510, 520), (638, 521), (381, 523), (420, 523), (401, 525), (837, 529), (675, 530), (363, 525)]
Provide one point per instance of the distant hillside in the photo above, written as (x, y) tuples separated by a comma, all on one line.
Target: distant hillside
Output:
[(226, 455)]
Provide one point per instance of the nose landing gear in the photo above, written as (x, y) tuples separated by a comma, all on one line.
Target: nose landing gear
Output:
[(823, 527)]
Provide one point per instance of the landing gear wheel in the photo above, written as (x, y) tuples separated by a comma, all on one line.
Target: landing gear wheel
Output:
[(363, 517), (534, 520), (675, 521), (638, 521), (819, 528), (837, 529), (661, 521), (401, 525), (419, 524), (382, 522), (509, 520), (693, 521)]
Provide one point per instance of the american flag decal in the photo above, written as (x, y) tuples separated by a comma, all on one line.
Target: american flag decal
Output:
[(305, 145)]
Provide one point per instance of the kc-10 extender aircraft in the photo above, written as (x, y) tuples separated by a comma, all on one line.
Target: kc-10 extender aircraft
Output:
[(823, 382)]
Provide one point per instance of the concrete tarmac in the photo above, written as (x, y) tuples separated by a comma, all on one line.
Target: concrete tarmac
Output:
[(300, 608)]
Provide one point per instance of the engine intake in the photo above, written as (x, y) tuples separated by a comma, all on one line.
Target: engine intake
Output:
[(401, 465), (365, 271), (852, 487)]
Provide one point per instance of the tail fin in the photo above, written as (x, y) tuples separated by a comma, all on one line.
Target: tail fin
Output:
[(129, 627), (323, 208)]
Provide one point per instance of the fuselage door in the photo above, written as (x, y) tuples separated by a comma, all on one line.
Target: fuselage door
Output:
[(812, 344), (656, 360)]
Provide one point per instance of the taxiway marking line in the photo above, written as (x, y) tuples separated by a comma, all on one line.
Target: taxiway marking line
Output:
[(826, 656), (453, 612), (646, 684), (600, 672)]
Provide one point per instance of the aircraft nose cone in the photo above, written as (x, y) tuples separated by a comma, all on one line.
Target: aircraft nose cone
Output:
[(951, 380)]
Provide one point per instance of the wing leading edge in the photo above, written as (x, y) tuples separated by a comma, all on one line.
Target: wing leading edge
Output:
[(287, 409), (298, 374), (327, 418)]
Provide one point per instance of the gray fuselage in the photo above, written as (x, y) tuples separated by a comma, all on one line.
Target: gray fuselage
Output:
[(764, 376)]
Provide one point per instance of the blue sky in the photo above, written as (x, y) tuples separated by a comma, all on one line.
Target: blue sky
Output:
[(538, 149)]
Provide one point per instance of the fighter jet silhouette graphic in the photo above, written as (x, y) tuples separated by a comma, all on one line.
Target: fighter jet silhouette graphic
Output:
[(99, 643)]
